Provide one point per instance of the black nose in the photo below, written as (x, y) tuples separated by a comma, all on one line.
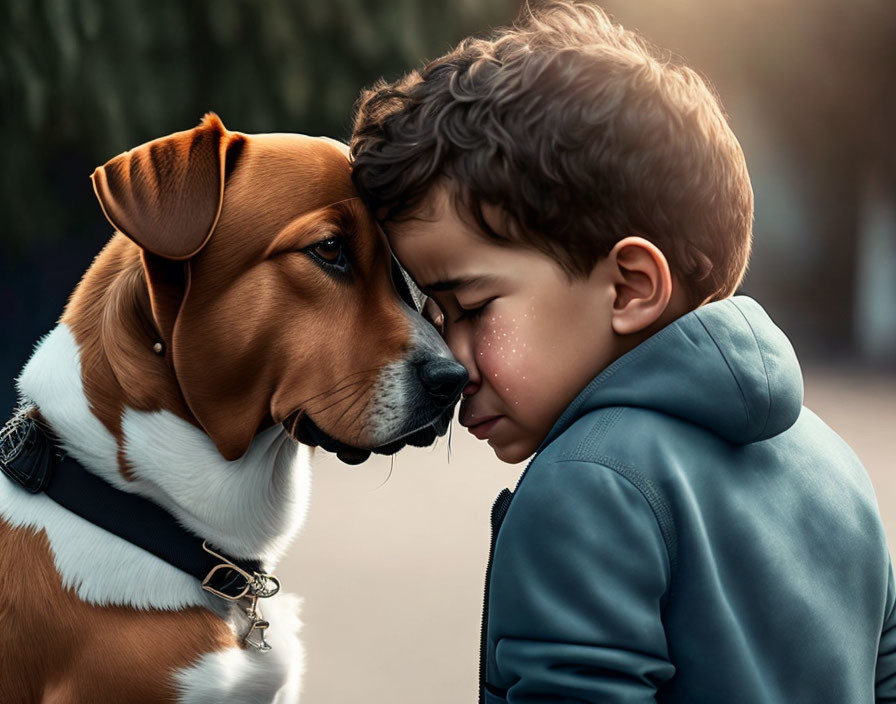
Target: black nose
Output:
[(443, 379)]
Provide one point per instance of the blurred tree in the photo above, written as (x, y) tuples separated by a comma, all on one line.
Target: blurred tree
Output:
[(81, 81)]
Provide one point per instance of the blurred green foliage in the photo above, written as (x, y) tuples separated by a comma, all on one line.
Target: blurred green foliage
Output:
[(83, 80)]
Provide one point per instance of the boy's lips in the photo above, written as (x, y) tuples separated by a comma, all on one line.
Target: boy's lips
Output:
[(480, 427)]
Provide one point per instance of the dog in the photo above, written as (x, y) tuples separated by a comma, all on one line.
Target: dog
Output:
[(245, 311)]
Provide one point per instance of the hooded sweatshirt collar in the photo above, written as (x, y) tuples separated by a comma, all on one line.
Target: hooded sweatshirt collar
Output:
[(724, 366)]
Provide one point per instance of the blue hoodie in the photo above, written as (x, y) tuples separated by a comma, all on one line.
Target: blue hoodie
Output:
[(688, 532)]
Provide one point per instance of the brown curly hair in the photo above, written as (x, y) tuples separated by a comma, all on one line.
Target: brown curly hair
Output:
[(582, 133)]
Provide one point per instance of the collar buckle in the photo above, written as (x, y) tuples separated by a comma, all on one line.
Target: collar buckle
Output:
[(232, 583), (229, 581), (27, 456)]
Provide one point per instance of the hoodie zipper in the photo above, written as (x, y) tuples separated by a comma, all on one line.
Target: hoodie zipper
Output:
[(499, 509)]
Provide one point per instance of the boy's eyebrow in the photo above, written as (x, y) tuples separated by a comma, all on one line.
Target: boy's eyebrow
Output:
[(457, 282)]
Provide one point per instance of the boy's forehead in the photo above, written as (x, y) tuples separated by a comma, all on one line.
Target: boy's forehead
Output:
[(422, 249), (444, 211), (432, 224), (432, 208), (443, 248)]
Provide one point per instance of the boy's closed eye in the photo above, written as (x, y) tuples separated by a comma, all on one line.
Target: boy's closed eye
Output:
[(433, 313), (473, 312)]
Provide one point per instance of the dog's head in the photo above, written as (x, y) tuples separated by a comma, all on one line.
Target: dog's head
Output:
[(273, 293)]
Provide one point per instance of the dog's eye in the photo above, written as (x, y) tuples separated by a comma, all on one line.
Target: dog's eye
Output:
[(328, 250), (331, 253)]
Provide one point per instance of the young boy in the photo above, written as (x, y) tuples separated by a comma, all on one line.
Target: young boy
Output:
[(580, 213)]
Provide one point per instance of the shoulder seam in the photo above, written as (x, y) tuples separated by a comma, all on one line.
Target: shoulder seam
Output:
[(768, 390), (597, 431), (661, 511), (740, 389)]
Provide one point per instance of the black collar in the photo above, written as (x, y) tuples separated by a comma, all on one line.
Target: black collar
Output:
[(31, 457)]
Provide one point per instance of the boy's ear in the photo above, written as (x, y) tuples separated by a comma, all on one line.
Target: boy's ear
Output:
[(643, 285)]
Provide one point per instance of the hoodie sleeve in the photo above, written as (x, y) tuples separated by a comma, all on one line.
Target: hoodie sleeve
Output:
[(579, 573), (885, 674)]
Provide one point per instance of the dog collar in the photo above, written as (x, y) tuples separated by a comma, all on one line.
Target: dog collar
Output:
[(30, 457)]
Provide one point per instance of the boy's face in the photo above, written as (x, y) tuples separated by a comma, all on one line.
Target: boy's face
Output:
[(530, 338)]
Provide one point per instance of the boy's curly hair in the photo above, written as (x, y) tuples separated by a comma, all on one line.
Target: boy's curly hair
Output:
[(581, 132)]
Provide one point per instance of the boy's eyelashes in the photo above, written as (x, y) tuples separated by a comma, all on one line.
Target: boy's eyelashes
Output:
[(473, 313), (434, 314)]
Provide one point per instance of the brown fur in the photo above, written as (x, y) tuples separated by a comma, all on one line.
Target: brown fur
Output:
[(110, 318), (56, 649)]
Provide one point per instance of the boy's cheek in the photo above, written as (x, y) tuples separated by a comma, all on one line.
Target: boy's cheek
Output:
[(503, 356), (521, 385)]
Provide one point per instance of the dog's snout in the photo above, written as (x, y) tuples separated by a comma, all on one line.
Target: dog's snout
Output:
[(443, 379)]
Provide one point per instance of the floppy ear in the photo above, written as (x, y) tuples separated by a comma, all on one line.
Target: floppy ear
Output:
[(166, 195)]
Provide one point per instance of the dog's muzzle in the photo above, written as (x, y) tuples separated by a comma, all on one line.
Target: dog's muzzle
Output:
[(308, 433)]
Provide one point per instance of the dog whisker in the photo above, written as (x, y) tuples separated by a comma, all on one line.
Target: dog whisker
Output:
[(358, 393), (356, 415), (450, 430), (348, 395), (336, 386), (304, 411), (388, 476)]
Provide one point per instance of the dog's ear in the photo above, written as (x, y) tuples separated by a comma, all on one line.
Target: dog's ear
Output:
[(166, 195)]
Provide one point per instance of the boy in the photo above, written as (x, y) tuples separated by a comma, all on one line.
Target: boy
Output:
[(578, 210)]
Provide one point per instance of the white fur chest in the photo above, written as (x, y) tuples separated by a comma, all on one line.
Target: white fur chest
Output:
[(248, 676), (250, 507)]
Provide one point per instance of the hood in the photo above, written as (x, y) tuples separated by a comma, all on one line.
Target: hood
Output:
[(724, 366)]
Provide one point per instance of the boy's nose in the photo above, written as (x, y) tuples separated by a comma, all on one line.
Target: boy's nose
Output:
[(443, 379), (463, 350)]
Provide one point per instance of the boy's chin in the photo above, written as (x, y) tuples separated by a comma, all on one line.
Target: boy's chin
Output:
[(512, 452)]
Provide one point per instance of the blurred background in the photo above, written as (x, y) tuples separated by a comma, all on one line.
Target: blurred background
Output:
[(391, 562)]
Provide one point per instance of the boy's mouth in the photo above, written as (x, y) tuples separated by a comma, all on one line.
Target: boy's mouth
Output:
[(481, 427)]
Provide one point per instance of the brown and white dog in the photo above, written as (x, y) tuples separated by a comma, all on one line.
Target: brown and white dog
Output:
[(244, 310)]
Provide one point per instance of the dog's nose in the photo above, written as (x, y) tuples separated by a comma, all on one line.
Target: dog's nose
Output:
[(443, 379)]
